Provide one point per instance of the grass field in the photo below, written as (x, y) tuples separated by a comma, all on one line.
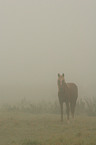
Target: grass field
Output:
[(17, 128)]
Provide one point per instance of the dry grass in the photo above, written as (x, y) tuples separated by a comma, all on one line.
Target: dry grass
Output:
[(17, 128)]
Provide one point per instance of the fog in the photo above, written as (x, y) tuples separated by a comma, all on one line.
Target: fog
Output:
[(38, 39)]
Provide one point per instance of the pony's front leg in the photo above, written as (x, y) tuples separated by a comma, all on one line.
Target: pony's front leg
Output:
[(61, 104), (67, 110)]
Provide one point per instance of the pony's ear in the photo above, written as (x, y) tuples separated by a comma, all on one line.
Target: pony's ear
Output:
[(63, 74), (58, 75)]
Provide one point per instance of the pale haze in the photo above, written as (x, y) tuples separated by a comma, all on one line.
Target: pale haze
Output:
[(41, 38)]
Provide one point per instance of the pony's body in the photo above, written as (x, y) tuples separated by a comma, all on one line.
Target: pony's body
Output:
[(68, 93)]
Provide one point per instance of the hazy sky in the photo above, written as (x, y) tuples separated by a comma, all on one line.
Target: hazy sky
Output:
[(39, 38)]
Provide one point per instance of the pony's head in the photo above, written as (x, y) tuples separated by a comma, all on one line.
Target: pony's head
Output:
[(61, 80)]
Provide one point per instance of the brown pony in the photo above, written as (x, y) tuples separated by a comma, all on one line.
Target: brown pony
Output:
[(68, 93)]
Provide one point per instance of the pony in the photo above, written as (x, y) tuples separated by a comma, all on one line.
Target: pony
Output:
[(68, 94)]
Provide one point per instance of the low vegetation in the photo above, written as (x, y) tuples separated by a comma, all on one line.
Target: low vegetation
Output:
[(84, 106)]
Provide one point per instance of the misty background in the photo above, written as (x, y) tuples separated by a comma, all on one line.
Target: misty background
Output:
[(38, 39)]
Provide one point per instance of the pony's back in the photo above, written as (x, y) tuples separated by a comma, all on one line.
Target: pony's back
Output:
[(73, 90)]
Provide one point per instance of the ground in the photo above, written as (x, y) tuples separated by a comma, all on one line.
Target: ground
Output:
[(19, 128)]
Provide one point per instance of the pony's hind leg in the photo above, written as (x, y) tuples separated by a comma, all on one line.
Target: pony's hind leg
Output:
[(72, 106)]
